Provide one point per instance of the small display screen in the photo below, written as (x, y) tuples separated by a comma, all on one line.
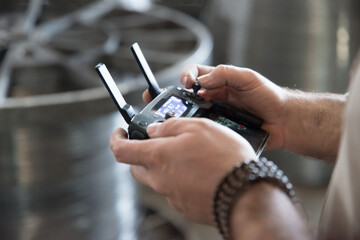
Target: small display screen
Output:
[(172, 104)]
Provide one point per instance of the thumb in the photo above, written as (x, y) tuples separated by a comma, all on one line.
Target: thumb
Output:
[(172, 127), (242, 79)]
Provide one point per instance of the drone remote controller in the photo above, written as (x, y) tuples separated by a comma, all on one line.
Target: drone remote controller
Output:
[(178, 102)]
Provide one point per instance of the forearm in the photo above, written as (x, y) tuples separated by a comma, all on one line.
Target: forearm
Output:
[(265, 212), (313, 124)]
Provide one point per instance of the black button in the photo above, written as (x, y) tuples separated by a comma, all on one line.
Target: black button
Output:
[(196, 86), (159, 121), (170, 114)]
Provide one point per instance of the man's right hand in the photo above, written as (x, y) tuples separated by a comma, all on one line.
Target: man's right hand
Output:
[(244, 89), (305, 123)]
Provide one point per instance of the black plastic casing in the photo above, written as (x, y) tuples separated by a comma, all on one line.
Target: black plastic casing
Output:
[(244, 123)]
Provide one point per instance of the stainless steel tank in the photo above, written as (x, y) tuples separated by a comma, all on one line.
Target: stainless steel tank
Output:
[(307, 45), (58, 178)]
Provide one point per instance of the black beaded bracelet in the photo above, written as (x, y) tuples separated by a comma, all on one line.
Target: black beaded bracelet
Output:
[(238, 181)]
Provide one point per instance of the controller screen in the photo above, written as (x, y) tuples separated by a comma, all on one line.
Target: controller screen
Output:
[(172, 104)]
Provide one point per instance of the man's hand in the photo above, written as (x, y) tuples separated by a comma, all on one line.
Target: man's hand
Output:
[(184, 160), (244, 89), (305, 123), (241, 88)]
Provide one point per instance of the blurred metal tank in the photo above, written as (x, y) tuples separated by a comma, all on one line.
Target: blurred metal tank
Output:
[(58, 178), (307, 45), (195, 8)]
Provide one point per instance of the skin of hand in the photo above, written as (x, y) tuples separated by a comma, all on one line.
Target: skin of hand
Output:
[(300, 122), (265, 212), (244, 89), (241, 88), (184, 160)]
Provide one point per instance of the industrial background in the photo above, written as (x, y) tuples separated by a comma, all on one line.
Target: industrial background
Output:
[(58, 178)]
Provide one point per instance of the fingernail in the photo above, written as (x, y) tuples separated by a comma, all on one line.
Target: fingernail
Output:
[(152, 128), (183, 81), (204, 78)]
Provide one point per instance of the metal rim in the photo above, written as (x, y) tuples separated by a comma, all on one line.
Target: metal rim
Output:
[(15, 109)]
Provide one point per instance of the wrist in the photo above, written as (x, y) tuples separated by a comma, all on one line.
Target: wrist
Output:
[(250, 209), (238, 181), (265, 210), (312, 123)]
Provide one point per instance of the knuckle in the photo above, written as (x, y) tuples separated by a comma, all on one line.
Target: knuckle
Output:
[(225, 72), (188, 69), (251, 74), (168, 124), (224, 68), (193, 66), (204, 123)]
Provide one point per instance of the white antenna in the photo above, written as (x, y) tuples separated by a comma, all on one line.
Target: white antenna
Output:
[(125, 109)]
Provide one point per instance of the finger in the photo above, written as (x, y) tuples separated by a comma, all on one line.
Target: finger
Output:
[(140, 174), (146, 96), (134, 152), (119, 133), (176, 126), (189, 74), (219, 94), (243, 79)]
